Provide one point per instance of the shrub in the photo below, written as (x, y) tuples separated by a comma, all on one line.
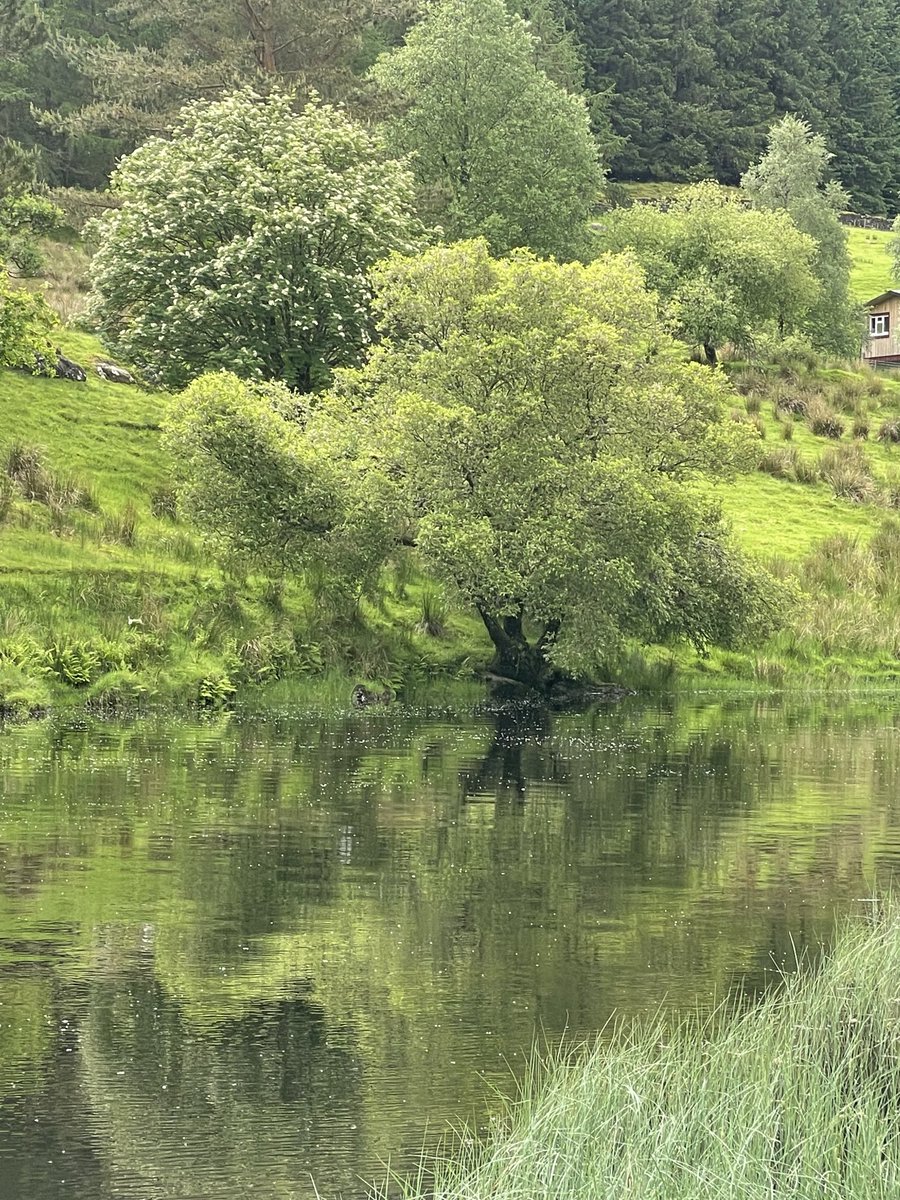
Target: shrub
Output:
[(847, 470), (861, 428), (790, 400), (164, 503), (122, 527), (21, 695), (849, 393), (753, 402), (780, 462), (787, 430), (889, 430), (824, 421), (26, 322), (432, 613)]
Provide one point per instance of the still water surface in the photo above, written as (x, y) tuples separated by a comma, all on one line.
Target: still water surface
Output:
[(243, 955)]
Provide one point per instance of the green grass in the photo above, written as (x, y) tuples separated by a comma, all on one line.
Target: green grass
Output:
[(872, 271), (117, 604), (118, 600), (796, 1097)]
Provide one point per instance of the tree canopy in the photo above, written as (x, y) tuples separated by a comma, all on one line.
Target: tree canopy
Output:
[(792, 176), (729, 271), (243, 242), (530, 428), (498, 148)]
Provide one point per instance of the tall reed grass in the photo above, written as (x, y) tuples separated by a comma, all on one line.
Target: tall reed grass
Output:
[(794, 1098)]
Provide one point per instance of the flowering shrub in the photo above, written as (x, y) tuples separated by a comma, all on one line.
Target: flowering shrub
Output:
[(243, 243)]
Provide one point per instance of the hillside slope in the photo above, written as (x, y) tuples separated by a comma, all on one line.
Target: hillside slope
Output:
[(106, 593), (107, 596)]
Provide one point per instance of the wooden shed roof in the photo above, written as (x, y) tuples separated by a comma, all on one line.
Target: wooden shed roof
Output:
[(890, 294)]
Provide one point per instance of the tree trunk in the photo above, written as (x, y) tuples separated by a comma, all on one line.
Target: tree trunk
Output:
[(515, 660), (710, 351)]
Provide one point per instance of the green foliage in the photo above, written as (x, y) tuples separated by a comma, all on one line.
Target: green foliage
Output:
[(729, 272), (243, 242), (791, 176), (21, 694), (26, 323), (532, 427), (263, 490), (24, 217), (498, 148)]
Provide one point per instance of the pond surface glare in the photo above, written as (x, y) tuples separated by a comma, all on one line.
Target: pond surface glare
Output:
[(259, 956)]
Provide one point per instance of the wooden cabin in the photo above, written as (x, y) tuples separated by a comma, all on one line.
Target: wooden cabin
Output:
[(882, 347)]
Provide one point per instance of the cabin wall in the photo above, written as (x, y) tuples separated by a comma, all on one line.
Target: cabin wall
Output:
[(885, 348)]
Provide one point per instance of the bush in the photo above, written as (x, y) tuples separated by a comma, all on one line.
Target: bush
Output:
[(787, 430), (790, 400), (889, 430), (164, 504), (824, 421), (861, 428), (21, 695), (26, 322), (847, 470)]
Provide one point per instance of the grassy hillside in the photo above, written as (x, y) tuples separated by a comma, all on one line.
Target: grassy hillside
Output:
[(104, 592), (872, 270), (106, 595)]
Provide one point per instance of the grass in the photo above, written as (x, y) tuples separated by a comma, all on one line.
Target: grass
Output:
[(872, 271), (106, 596), (798, 1096)]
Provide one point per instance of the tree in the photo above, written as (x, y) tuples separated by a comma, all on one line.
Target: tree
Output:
[(243, 243), (531, 429), (144, 62), (498, 148), (791, 176), (729, 271)]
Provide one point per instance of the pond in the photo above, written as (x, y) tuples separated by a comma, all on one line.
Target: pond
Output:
[(260, 956)]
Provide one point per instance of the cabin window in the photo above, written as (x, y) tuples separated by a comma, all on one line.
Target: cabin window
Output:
[(879, 325)]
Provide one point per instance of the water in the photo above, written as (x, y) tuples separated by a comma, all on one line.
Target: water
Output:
[(243, 955)]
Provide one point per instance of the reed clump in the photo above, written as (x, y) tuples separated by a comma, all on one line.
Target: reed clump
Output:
[(798, 1096)]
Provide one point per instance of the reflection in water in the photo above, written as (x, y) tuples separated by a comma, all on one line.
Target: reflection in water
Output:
[(239, 955)]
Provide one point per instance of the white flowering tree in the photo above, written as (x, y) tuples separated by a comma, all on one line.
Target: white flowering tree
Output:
[(243, 243)]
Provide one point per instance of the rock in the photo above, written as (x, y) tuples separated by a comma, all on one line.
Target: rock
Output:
[(113, 374), (362, 697), (66, 369)]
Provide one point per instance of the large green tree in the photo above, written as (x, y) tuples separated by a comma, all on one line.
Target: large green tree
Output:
[(499, 149), (792, 177), (244, 241), (730, 272), (530, 428)]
